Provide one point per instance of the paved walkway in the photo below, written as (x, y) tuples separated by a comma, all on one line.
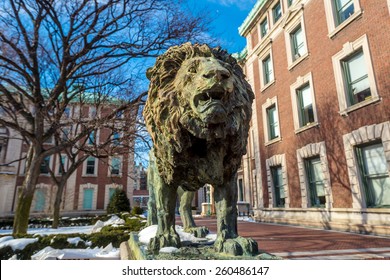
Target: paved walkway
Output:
[(293, 242)]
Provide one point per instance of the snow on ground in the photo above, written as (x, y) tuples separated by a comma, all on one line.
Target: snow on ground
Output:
[(107, 253), (146, 234), (49, 253), (16, 244)]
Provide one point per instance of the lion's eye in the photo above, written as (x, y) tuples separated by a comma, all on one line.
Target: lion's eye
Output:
[(192, 69)]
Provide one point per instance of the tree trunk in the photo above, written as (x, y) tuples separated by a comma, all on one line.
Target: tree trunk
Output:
[(57, 204), (26, 193)]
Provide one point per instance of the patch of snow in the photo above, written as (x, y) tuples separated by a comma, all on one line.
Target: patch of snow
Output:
[(75, 240), (5, 238), (149, 232), (18, 244), (114, 220), (106, 253), (169, 250), (246, 219)]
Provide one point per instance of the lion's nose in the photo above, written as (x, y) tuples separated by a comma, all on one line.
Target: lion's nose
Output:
[(217, 72)]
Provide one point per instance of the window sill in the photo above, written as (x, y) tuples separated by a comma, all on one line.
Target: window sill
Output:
[(306, 127), (297, 61), (273, 141), (360, 105), (267, 85), (345, 23), (89, 175)]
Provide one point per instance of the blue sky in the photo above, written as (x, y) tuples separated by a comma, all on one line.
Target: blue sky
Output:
[(229, 15)]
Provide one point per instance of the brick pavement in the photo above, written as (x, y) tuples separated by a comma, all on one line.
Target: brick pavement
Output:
[(307, 243)]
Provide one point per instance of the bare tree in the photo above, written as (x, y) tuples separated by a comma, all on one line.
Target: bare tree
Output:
[(50, 47)]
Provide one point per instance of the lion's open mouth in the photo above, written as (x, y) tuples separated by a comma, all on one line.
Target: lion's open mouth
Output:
[(209, 98)]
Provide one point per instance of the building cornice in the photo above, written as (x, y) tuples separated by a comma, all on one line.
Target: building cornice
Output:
[(244, 28)]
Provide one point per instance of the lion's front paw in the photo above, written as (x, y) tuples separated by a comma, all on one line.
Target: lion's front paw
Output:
[(237, 246), (164, 240), (199, 232)]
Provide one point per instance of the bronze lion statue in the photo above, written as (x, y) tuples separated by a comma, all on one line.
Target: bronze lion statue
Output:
[(197, 113)]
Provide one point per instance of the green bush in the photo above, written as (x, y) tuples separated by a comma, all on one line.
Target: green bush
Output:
[(119, 202), (137, 210)]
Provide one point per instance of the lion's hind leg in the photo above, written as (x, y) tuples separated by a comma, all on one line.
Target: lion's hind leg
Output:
[(185, 199)]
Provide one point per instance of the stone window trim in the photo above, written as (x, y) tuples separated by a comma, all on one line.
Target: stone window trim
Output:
[(107, 192), (277, 160), (348, 49), (330, 17), (291, 22), (306, 152), (264, 53), (301, 81), (81, 195), (110, 165), (270, 102), (360, 136)]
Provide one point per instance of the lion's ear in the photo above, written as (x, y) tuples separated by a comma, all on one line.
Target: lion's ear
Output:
[(149, 73)]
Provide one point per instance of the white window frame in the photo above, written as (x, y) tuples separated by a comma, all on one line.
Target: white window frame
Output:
[(261, 37), (267, 51), (275, 22), (81, 196), (330, 17), (348, 49), (292, 22), (300, 82), (360, 136), (270, 102), (306, 152), (277, 160), (85, 168), (120, 139), (110, 166)]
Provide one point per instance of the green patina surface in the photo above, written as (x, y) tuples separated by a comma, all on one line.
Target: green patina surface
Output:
[(197, 113)]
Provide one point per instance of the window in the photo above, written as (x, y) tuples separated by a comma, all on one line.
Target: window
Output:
[(277, 181), (357, 85), (62, 164), (119, 114), (290, 2), (354, 76), (40, 199), (92, 112), (340, 13), (315, 182), (92, 138), (116, 136), (45, 165), (277, 12), (65, 134), (305, 105), (273, 122), (295, 37), (67, 112), (90, 166), (240, 190), (374, 175), (111, 192), (3, 148), (115, 166), (268, 74), (343, 10), (264, 27), (48, 140), (88, 199), (297, 43)]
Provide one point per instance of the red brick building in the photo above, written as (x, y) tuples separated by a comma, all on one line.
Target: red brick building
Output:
[(320, 149), (90, 187)]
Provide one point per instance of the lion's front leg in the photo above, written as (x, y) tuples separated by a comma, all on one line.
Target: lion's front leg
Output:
[(166, 235), (228, 241)]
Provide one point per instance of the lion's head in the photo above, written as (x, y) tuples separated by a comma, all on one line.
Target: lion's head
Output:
[(198, 97)]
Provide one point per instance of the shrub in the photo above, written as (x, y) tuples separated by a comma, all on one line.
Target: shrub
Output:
[(119, 202), (137, 210)]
